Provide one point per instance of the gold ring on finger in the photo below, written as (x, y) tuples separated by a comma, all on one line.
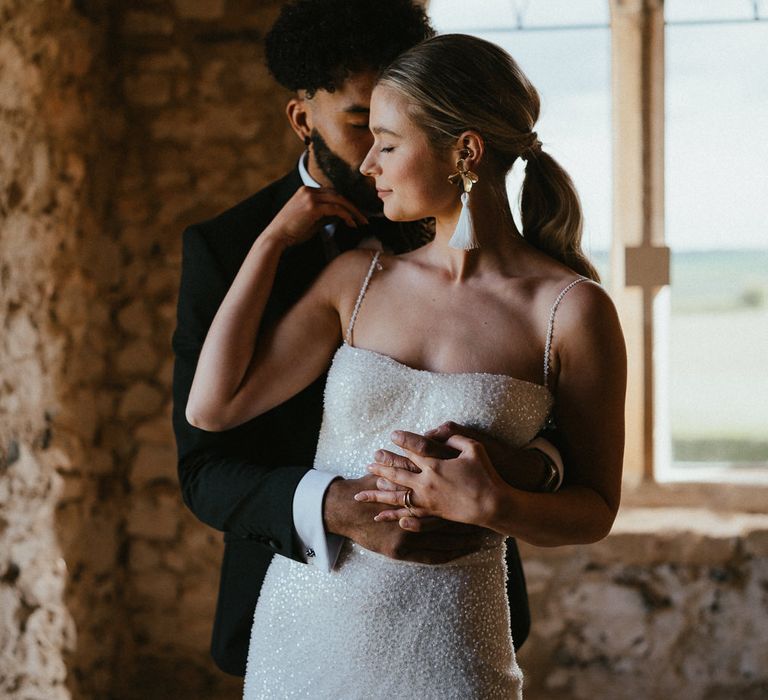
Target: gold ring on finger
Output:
[(408, 503)]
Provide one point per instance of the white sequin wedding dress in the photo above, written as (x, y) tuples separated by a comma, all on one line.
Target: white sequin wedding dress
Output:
[(375, 627)]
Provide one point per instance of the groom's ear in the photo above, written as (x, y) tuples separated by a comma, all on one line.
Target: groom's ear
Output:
[(474, 143), (299, 117)]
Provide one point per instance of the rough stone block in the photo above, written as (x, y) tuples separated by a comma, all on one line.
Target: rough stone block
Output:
[(156, 585), (199, 9), (136, 22), (165, 375), (158, 431), (20, 79), (133, 208), (21, 336), (79, 414), (154, 462), (135, 318), (173, 60), (143, 556), (154, 517), (149, 89), (138, 357), (140, 400), (71, 488), (101, 539)]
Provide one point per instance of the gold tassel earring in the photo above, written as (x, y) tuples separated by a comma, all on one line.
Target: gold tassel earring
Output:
[(464, 237)]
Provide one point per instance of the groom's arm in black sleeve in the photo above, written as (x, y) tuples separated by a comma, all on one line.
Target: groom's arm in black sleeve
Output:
[(248, 496)]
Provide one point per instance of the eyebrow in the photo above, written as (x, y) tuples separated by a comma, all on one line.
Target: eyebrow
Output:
[(384, 130)]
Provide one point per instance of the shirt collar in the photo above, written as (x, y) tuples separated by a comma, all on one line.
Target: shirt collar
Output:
[(306, 178)]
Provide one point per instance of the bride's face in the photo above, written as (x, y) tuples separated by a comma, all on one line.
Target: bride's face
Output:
[(411, 178)]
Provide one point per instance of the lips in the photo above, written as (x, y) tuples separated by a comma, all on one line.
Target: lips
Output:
[(383, 193)]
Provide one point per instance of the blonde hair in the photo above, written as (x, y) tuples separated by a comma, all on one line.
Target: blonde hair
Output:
[(456, 82)]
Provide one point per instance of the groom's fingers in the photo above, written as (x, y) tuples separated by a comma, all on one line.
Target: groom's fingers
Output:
[(389, 498), (392, 459), (386, 485), (422, 446), (404, 477)]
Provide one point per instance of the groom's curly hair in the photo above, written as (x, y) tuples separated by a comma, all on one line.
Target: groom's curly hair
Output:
[(317, 44)]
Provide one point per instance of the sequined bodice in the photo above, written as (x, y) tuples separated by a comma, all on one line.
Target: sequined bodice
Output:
[(445, 627), (368, 395)]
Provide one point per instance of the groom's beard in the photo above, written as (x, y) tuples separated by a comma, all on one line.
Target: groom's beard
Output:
[(349, 182)]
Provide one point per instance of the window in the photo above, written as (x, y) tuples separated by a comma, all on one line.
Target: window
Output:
[(717, 227)]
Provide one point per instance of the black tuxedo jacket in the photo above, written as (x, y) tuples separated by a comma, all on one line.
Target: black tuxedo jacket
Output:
[(242, 481)]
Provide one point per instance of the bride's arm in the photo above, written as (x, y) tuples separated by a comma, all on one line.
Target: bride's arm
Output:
[(245, 369)]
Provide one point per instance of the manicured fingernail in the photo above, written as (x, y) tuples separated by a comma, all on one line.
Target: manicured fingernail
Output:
[(377, 518), (378, 455), (406, 523), (371, 467), (396, 435), (360, 496)]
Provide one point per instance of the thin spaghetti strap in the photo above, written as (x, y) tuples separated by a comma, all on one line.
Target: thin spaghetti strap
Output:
[(550, 327), (363, 289)]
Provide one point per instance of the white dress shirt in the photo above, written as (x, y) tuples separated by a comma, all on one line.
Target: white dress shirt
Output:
[(320, 548)]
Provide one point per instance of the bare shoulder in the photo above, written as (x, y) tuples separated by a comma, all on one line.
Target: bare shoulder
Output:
[(586, 318), (343, 277), (584, 300)]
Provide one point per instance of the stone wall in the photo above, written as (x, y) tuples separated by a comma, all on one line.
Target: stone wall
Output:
[(58, 585), (120, 124), (205, 129), (673, 604)]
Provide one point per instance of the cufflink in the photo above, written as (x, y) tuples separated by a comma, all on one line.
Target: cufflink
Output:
[(309, 552)]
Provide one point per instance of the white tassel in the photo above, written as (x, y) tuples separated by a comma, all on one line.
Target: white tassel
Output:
[(464, 237)]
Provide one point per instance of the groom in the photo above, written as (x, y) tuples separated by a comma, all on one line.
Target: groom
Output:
[(254, 482)]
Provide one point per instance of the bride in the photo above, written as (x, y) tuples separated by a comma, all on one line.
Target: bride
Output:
[(486, 325)]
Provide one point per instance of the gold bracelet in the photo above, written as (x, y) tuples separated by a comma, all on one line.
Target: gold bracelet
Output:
[(551, 475)]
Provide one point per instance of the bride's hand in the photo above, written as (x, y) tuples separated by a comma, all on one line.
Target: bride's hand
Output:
[(309, 209), (461, 488)]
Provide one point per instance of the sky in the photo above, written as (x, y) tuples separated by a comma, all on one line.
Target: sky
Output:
[(716, 148)]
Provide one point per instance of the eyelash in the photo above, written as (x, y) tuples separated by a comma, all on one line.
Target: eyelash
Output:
[(388, 149)]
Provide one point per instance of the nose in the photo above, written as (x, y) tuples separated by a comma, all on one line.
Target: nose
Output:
[(369, 167)]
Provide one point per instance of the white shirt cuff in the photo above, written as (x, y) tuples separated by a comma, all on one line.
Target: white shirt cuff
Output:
[(320, 549), (553, 453)]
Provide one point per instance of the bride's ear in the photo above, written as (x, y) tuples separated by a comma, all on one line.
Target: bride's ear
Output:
[(472, 143)]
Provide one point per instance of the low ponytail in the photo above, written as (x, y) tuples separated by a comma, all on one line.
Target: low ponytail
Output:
[(551, 214)]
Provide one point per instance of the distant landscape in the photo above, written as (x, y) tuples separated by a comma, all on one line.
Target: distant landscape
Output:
[(718, 355)]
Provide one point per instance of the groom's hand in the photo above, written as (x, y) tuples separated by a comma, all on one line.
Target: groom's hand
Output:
[(307, 211), (436, 541)]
